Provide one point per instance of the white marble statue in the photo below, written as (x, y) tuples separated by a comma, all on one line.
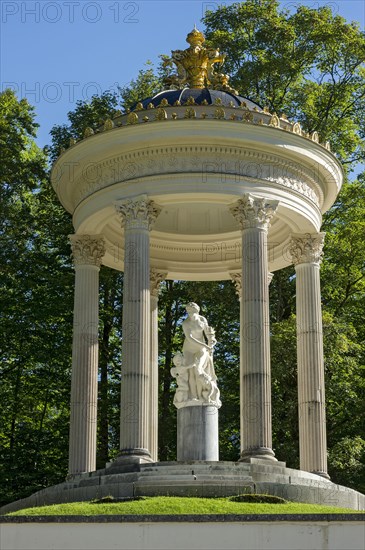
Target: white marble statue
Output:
[(194, 370)]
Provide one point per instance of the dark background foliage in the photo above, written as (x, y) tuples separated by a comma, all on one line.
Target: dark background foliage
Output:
[(310, 65)]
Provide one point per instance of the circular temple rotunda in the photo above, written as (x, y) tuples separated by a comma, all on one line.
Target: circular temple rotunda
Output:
[(199, 184)]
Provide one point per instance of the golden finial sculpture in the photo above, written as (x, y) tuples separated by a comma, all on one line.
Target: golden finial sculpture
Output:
[(195, 65)]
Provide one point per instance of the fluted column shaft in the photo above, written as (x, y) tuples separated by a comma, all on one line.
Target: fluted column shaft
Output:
[(156, 278), (306, 253), (254, 215), (87, 252), (137, 216), (236, 278)]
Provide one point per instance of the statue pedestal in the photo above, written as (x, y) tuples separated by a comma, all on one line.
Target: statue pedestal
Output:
[(197, 433)]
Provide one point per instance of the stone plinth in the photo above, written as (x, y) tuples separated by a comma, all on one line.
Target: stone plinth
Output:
[(197, 433), (196, 478)]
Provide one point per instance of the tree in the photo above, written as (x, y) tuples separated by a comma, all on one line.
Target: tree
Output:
[(34, 328), (309, 64)]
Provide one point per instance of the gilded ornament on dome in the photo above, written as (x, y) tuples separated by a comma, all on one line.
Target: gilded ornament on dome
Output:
[(139, 106), (267, 110), (204, 102), (261, 121), (145, 119), (190, 100), (220, 82), (219, 113), (174, 116), (88, 132), (327, 146), (232, 117), (195, 65), (117, 113), (297, 129), (150, 106), (177, 103), (72, 141), (247, 117), (132, 118), (108, 124), (164, 103), (204, 115), (274, 121), (160, 114), (190, 113), (243, 105)]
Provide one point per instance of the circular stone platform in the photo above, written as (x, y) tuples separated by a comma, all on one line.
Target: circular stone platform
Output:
[(195, 478)]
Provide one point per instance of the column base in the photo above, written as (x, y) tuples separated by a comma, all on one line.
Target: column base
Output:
[(127, 463), (322, 474), (265, 453), (140, 454)]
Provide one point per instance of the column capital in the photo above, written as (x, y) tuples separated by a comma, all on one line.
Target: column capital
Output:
[(156, 277), (253, 212), (139, 212), (306, 248), (237, 281), (87, 249)]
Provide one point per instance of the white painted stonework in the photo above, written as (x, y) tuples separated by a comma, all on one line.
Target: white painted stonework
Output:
[(258, 535), (203, 192), (194, 169)]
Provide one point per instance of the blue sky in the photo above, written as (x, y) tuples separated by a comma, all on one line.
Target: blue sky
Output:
[(56, 52)]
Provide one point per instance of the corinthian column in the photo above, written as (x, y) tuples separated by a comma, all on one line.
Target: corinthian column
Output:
[(306, 251), (137, 217), (156, 277), (254, 215), (87, 252)]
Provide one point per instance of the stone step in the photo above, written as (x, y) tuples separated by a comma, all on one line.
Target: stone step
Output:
[(198, 477)]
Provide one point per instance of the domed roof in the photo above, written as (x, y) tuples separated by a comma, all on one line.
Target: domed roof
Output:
[(202, 96)]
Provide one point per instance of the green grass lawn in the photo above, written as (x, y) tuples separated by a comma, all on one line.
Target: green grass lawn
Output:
[(178, 506)]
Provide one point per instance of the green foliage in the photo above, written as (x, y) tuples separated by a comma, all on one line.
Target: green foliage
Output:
[(87, 114), (36, 312), (145, 85), (94, 112), (308, 64)]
